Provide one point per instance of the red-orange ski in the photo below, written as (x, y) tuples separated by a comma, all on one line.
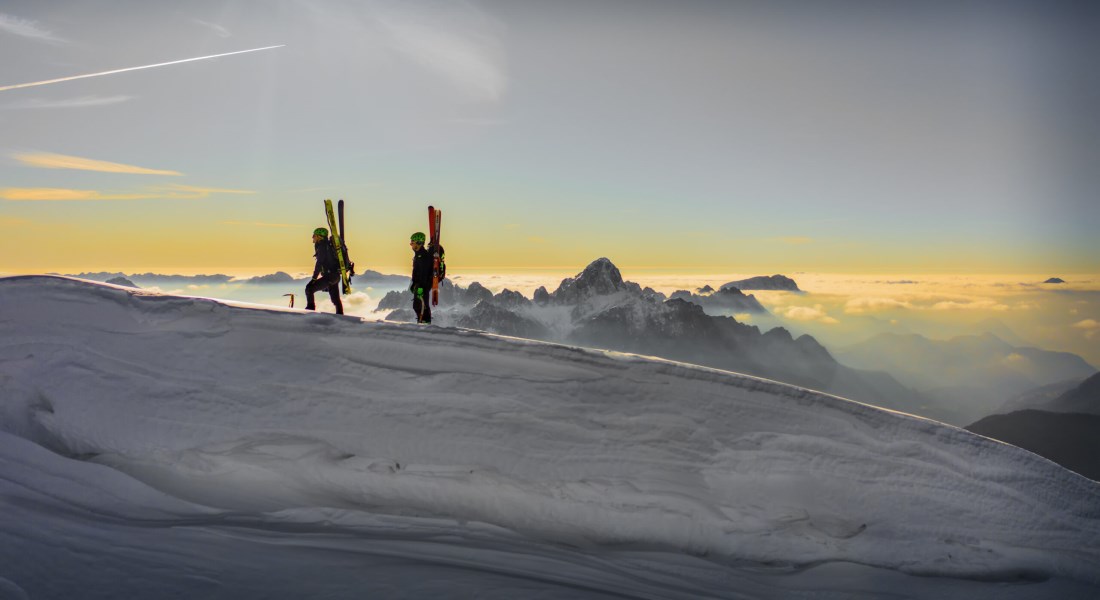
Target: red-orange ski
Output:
[(435, 217)]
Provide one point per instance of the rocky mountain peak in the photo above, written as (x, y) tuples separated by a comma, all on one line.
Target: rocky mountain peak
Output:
[(601, 273), (600, 278)]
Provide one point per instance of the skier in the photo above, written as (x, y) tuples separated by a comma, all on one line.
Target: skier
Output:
[(328, 268), (421, 278)]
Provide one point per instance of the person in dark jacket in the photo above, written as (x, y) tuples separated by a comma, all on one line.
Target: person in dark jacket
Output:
[(326, 272), (421, 277)]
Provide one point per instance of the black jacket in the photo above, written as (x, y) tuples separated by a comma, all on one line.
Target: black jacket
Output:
[(423, 263), (327, 263)]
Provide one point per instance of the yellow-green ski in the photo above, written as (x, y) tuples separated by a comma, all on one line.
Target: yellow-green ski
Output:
[(338, 246)]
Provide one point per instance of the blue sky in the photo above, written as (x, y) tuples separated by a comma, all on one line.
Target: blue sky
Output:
[(846, 136)]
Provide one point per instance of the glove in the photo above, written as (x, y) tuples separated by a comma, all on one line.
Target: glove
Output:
[(419, 292)]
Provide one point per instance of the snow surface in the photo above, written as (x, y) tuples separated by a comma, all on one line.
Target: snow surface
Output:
[(166, 446)]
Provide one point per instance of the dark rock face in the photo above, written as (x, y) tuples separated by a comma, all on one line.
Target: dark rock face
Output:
[(773, 283), (1054, 280), (451, 294), (122, 281), (706, 289), (725, 299), (488, 316), (542, 297), (510, 300), (601, 278), (673, 328), (734, 299), (475, 294), (279, 277), (681, 330), (652, 294), (1069, 439), (395, 300)]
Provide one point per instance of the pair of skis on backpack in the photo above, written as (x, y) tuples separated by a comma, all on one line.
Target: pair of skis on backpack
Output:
[(347, 268), (339, 245), (439, 267)]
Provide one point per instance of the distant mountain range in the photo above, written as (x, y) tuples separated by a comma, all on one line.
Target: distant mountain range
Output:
[(156, 278), (278, 278), (597, 308), (969, 376), (998, 328), (122, 281), (1064, 397)]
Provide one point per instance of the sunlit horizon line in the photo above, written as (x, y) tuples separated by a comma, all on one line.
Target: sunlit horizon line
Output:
[(460, 271), (112, 72)]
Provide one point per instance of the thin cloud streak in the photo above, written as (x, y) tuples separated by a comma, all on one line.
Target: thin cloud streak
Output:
[(164, 64), (63, 195), (28, 29), (218, 29), (472, 62), (46, 160), (80, 102), (176, 192)]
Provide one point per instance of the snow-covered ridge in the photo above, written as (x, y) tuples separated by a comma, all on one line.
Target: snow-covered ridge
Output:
[(264, 411)]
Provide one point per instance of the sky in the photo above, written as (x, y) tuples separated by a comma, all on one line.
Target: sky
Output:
[(686, 137)]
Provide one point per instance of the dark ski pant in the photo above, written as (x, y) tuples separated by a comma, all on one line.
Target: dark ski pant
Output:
[(423, 309), (326, 283)]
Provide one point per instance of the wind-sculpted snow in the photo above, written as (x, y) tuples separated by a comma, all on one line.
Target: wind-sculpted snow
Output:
[(217, 450)]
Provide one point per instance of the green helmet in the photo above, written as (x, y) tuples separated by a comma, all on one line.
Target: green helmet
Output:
[(418, 237), (321, 231)]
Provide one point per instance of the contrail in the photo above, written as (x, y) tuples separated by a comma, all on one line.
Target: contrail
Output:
[(175, 62)]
